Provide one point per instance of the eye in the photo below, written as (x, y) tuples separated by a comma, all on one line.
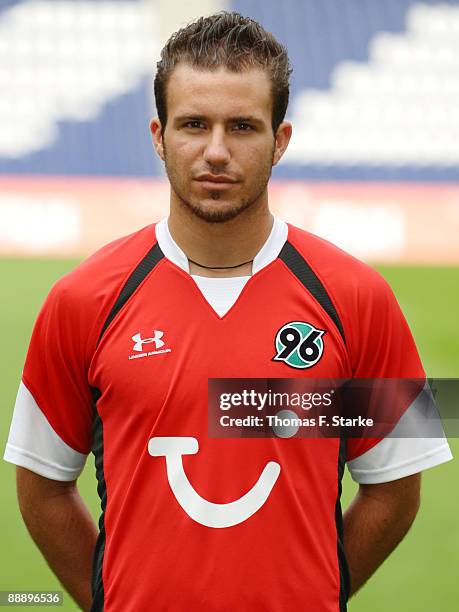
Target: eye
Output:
[(194, 124), (243, 127)]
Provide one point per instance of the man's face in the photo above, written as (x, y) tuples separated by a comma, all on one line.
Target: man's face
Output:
[(218, 144)]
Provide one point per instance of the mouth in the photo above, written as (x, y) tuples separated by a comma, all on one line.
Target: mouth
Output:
[(216, 181)]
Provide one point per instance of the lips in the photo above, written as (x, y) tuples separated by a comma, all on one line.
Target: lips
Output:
[(215, 178), (216, 182)]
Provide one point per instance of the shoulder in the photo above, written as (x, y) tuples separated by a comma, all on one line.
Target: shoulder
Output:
[(80, 301), (102, 272), (340, 272), (364, 301)]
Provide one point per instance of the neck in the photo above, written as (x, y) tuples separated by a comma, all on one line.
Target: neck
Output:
[(221, 248)]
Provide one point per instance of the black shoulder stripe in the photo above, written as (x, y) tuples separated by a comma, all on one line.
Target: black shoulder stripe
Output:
[(344, 575), (301, 269), (151, 259), (97, 449)]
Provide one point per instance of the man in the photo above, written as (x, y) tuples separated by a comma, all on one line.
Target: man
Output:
[(124, 346)]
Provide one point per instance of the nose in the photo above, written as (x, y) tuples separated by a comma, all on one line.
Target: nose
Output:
[(216, 152)]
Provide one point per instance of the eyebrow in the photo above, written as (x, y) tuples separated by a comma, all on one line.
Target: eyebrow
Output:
[(181, 118), (245, 119), (238, 119)]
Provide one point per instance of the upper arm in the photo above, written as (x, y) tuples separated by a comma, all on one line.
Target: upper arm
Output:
[(32, 488), (402, 495), (403, 492)]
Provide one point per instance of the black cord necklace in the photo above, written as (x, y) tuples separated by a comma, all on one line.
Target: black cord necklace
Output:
[(220, 267)]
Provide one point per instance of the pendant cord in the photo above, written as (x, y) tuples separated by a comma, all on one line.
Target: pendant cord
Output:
[(220, 267)]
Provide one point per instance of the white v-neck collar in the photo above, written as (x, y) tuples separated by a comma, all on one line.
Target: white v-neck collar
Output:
[(268, 252), (222, 293)]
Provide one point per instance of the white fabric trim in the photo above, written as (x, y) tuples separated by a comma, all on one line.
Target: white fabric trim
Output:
[(222, 293), (169, 247), (33, 443), (268, 252), (272, 247), (396, 452), (398, 456)]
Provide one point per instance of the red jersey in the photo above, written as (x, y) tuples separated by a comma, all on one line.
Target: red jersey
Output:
[(119, 364)]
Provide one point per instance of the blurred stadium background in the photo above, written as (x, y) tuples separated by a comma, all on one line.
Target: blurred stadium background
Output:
[(373, 166)]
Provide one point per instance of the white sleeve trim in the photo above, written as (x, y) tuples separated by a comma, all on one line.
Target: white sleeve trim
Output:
[(394, 471), (33, 443), (397, 455)]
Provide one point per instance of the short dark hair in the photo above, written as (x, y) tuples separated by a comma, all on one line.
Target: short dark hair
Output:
[(229, 40)]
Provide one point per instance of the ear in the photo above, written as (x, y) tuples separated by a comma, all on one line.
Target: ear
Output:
[(157, 135), (282, 138)]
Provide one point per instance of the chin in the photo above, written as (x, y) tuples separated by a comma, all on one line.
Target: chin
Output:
[(216, 211)]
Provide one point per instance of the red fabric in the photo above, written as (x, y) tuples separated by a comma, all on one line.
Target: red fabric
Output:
[(284, 556)]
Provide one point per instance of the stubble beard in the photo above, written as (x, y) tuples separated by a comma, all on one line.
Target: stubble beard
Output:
[(224, 212)]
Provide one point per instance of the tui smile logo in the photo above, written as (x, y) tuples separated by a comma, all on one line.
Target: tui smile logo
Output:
[(209, 514), (298, 344)]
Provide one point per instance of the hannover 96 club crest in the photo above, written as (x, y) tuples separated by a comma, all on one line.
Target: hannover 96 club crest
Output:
[(298, 344)]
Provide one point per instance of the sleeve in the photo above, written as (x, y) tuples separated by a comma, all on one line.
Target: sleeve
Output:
[(50, 432), (382, 346)]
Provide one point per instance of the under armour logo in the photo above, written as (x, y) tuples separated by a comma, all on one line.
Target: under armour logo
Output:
[(139, 341)]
